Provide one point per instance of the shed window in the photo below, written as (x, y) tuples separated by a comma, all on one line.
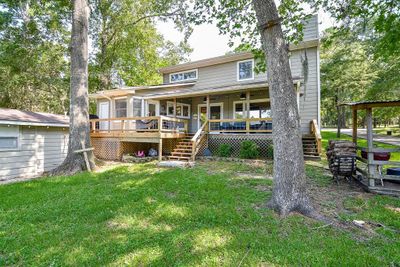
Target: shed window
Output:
[(245, 70), (9, 137), (120, 108), (183, 76)]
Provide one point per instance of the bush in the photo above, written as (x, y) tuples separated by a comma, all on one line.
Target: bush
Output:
[(270, 152), (249, 150), (224, 150)]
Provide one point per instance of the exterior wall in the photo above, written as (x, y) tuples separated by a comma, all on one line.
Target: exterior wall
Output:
[(309, 101), (41, 149)]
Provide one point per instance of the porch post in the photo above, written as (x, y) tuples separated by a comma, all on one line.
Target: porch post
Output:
[(248, 104), (160, 150), (370, 140), (354, 125), (175, 107), (208, 107)]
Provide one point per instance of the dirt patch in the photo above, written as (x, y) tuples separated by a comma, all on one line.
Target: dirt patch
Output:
[(394, 209)]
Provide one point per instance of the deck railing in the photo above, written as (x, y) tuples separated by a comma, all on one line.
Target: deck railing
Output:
[(139, 124), (199, 138), (251, 125), (314, 129)]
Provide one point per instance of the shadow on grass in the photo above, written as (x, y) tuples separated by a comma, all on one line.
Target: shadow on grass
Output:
[(144, 215)]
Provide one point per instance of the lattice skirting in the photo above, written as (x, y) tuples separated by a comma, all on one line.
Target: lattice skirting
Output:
[(113, 148), (264, 141)]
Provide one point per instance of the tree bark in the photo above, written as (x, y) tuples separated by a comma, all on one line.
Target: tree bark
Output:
[(289, 192), (79, 130)]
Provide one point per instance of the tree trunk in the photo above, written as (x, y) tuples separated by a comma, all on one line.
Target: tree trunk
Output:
[(339, 121), (289, 193), (79, 131)]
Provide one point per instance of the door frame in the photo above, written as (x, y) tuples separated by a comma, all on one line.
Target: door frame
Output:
[(154, 102), (103, 125), (221, 104)]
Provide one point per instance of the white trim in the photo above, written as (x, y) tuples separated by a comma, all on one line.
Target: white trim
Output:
[(221, 104), (318, 89), (252, 71), (170, 103), (190, 79), (44, 124), (120, 97)]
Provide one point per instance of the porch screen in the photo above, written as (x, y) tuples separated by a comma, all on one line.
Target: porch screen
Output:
[(260, 110)]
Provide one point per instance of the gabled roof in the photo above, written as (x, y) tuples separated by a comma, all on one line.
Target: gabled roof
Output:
[(20, 117)]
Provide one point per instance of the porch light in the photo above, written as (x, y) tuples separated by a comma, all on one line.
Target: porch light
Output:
[(242, 96)]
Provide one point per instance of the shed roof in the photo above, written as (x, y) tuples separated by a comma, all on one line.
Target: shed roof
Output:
[(20, 117), (372, 104)]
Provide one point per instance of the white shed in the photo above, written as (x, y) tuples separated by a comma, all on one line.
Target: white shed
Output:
[(31, 143)]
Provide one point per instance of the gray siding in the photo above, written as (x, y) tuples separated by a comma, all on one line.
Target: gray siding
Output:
[(41, 149), (310, 99)]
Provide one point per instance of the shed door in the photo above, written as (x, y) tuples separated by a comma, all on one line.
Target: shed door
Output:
[(104, 113)]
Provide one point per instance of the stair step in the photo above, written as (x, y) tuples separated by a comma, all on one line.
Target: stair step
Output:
[(181, 153), (183, 149)]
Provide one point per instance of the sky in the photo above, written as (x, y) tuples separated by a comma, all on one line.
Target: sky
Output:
[(206, 41)]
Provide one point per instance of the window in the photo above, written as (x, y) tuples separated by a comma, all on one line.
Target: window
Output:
[(182, 110), (239, 110), (9, 137), (245, 70), (183, 76), (120, 108)]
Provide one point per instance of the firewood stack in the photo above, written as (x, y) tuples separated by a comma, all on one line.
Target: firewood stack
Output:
[(341, 157)]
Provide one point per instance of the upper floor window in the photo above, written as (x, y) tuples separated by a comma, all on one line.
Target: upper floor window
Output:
[(245, 70), (183, 76), (9, 137), (120, 108)]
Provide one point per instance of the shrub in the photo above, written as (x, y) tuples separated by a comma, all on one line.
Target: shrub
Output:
[(270, 152), (248, 150), (224, 150)]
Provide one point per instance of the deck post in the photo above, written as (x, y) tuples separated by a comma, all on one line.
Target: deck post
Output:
[(355, 125), (370, 140), (160, 150)]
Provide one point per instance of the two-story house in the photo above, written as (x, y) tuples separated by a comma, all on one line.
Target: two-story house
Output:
[(206, 103)]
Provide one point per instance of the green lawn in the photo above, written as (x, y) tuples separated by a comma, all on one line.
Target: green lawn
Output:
[(210, 215), (383, 130)]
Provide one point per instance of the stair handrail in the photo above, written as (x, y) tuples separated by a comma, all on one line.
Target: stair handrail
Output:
[(197, 138), (317, 134)]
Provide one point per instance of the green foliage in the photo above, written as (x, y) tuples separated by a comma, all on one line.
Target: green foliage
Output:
[(224, 150), (270, 152), (143, 215), (249, 150)]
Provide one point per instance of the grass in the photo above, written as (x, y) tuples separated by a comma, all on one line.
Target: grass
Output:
[(211, 215), (383, 130)]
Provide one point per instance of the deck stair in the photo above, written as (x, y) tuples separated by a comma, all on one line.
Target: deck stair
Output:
[(183, 150), (310, 147)]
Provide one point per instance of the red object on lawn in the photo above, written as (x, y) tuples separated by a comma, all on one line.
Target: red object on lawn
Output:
[(381, 156)]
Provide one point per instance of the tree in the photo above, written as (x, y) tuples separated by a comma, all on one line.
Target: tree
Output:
[(79, 132), (33, 51), (239, 20), (126, 43)]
